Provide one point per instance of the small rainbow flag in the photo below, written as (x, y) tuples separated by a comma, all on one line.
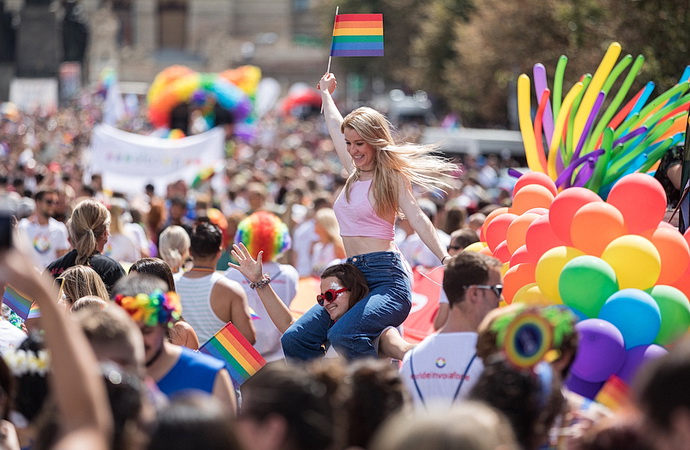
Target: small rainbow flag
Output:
[(615, 394), (241, 359), (357, 35), (19, 303)]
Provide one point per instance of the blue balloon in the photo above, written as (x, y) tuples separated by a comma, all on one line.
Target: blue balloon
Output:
[(635, 314)]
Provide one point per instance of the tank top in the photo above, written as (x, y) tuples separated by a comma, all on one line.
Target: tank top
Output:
[(358, 218), (195, 297)]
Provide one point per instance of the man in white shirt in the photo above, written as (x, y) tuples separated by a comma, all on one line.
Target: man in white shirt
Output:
[(48, 236), (444, 366)]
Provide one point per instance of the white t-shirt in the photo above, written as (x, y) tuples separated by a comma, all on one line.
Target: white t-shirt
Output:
[(284, 280), (433, 371), (417, 253), (10, 336), (302, 241), (46, 240), (122, 247)]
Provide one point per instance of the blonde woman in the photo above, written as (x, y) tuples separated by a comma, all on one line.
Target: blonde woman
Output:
[(329, 246), (80, 281), (89, 229), (379, 186), (173, 247)]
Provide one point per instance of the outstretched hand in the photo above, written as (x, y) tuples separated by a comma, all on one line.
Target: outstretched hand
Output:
[(248, 266), (327, 82)]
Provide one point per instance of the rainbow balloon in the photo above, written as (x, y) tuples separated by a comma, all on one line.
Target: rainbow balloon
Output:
[(581, 150)]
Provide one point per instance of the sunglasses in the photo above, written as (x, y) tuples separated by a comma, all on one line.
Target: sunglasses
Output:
[(453, 247), (497, 288), (329, 295), (49, 202)]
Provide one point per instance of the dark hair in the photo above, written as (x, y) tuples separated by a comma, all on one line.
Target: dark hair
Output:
[(463, 237), (377, 393), (126, 395), (42, 191), (32, 388), (466, 269), (297, 396), (206, 239), (351, 277), (155, 267), (132, 284), (613, 434), (7, 385)]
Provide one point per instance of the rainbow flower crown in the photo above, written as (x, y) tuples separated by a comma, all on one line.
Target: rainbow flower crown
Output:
[(22, 362), (159, 308)]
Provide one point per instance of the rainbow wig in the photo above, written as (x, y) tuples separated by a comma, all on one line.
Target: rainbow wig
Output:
[(264, 231), (156, 309)]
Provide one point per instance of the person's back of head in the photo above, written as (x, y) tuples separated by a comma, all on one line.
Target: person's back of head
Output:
[(468, 425), (464, 270), (463, 237), (154, 267), (88, 223), (89, 303), (79, 281), (206, 240), (173, 245), (264, 231)]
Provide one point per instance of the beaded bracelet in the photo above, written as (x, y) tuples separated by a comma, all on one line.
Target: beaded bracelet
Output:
[(261, 283)]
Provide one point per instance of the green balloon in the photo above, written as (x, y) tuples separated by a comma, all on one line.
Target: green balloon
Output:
[(675, 313), (585, 283)]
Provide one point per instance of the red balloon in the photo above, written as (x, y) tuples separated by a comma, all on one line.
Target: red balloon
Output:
[(496, 231), (515, 278), (595, 225), (674, 252), (521, 255), (641, 199), (564, 207), (540, 237), (492, 215), (539, 178), (502, 253)]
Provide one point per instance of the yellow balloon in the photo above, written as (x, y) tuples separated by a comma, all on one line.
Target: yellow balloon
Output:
[(635, 260), (504, 268), (526, 127), (549, 269), (475, 247), (531, 295)]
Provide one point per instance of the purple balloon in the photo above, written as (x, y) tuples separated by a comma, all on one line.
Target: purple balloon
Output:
[(540, 85), (636, 357), (601, 351), (582, 387)]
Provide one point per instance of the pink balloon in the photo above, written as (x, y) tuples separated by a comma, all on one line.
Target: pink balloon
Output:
[(521, 255), (641, 199), (496, 231), (540, 237)]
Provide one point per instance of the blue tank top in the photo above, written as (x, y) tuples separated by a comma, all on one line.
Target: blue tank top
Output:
[(192, 371)]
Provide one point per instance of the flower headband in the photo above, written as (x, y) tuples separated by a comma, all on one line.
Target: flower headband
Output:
[(22, 362), (156, 309)]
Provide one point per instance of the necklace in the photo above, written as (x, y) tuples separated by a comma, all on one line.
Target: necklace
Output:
[(156, 356), (366, 171), (202, 269)]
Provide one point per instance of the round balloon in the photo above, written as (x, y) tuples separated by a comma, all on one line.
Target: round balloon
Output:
[(635, 260), (521, 255), (641, 199), (586, 282), (594, 226), (474, 247), (675, 313), (502, 253), (489, 218), (637, 357), (549, 267), (540, 237), (584, 388), (564, 207), (515, 278), (601, 351), (535, 178), (529, 197), (635, 314), (497, 229), (517, 231), (530, 294), (673, 250)]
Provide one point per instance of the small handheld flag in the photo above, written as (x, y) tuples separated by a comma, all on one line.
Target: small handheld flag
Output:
[(357, 35), (19, 303), (241, 359)]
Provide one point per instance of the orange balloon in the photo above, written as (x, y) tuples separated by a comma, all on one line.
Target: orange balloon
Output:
[(497, 229), (517, 231), (517, 277), (683, 283), (674, 252), (595, 225), (535, 178), (487, 251), (564, 207), (529, 197), (492, 215), (641, 199)]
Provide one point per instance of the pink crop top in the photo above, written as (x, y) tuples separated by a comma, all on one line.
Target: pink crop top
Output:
[(358, 217)]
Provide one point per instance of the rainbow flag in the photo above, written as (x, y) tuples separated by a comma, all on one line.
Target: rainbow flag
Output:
[(614, 394), (19, 303), (241, 359), (357, 35)]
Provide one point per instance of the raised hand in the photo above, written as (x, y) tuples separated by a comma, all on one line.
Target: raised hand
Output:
[(327, 82), (248, 266)]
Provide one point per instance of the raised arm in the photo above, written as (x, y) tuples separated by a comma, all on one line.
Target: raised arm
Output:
[(253, 269), (76, 381), (420, 222), (334, 120)]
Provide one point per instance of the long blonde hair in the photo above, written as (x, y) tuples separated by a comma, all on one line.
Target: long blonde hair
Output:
[(415, 163), (80, 281), (173, 246), (326, 219), (89, 221)]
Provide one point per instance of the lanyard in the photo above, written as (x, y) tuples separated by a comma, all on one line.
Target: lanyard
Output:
[(457, 391)]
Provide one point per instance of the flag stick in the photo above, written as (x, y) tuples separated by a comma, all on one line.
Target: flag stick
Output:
[(328, 68)]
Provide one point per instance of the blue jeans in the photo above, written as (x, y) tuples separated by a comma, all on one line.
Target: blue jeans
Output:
[(387, 304)]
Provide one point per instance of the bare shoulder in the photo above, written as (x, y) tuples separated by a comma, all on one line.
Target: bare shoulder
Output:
[(225, 286)]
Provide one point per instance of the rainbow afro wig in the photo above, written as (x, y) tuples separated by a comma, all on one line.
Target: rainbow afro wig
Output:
[(264, 231)]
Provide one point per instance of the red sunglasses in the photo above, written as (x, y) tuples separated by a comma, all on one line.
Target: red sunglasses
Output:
[(329, 295)]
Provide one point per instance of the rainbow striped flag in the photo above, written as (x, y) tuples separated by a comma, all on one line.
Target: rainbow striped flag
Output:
[(19, 303), (241, 359), (357, 35), (614, 394)]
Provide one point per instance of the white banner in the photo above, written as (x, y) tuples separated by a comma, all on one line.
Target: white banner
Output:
[(128, 162)]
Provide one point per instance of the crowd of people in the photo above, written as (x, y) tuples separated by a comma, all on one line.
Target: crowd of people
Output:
[(129, 288)]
